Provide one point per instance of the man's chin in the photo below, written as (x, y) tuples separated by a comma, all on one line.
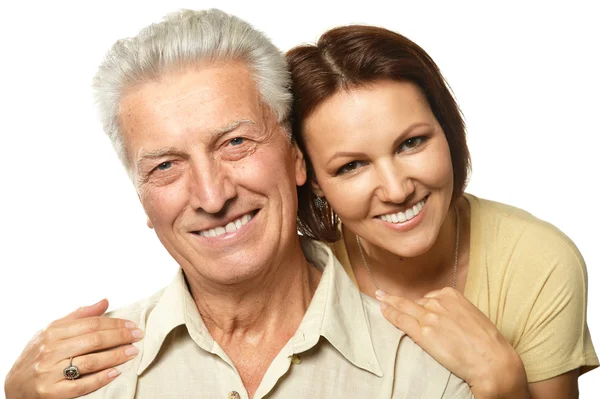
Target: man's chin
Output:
[(235, 271)]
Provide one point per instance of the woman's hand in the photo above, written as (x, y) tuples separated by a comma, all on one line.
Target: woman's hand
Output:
[(96, 343), (461, 338)]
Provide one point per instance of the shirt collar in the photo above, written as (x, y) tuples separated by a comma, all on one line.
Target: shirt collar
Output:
[(175, 307), (336, 313)]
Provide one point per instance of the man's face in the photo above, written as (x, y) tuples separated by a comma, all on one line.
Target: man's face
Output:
[(214, 171)]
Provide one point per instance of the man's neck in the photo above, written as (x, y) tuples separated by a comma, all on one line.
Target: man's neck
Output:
[(253, 321)]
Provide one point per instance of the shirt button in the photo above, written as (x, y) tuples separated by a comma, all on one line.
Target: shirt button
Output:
[(296, 359), (233, 395)]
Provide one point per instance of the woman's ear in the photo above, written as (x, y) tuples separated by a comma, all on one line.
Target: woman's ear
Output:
[(316, 188)]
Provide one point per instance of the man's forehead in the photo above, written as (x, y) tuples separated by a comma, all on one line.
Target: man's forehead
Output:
[(202, 93), (231, 83), (208, 99)]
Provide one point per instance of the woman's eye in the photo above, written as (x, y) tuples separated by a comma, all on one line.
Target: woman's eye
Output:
[(349, 167), (236, 141), (411, 143), (164, 165)]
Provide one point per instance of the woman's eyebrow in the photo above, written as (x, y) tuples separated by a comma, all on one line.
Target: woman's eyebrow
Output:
[(408, 130), (346, 154), (399, 139)]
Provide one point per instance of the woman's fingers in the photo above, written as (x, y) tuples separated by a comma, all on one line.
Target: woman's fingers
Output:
[(401, 304), (461, 310), (431, 304), (403, 313), (95, 342), (405, 322), (450, 328), (97, 309), (65, 329), (100, 361), (84, 385), (446, 294)]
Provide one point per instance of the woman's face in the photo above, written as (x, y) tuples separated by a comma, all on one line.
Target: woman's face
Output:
[(382, 161)]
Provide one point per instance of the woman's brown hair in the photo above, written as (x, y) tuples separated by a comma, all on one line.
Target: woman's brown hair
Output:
[(354, 56)]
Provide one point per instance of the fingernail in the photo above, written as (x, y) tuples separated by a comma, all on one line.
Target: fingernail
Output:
[(130, 324), (384, 306), (132, 350), (137, 333), (113, 373), (379, 294), (89, 306)]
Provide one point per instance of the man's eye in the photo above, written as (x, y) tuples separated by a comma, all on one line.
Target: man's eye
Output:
[(164, 165), (236, 141), (411, 143), (349, 167)]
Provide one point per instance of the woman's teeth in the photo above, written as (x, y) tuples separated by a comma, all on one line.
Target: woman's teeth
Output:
[(406, 215)]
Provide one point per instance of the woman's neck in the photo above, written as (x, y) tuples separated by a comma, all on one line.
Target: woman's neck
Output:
[(414, 277)]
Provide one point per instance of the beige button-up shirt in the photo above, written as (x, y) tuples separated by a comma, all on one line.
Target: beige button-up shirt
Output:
[(343, 348)]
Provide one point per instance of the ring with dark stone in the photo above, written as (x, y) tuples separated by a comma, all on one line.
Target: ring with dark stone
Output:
[(71, 372)]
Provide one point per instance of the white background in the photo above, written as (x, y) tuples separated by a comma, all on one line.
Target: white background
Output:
[(72, 230)]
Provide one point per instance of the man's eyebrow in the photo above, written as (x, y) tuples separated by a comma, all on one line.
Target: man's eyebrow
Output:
[(161, 152), (231, 127), (215, 135), (220, 132)]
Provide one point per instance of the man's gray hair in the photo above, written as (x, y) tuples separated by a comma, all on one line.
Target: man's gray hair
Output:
[(184, 38)]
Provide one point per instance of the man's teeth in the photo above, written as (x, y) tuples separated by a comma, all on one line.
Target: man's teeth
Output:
[(228, 228), (404, 216)]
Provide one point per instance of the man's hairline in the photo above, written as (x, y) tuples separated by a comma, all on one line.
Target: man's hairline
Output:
[(284, 124)]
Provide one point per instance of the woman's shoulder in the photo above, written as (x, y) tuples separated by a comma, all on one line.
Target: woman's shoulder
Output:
[(530, 279), (507, 228), (510, 245), (506, 216)]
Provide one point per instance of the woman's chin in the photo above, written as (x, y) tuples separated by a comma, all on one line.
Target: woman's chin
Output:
[(408, 247)]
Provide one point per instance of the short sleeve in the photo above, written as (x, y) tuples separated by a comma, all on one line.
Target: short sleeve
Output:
[(550, 282)]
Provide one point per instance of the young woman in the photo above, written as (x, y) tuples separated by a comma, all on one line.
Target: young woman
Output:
[(492, 293)]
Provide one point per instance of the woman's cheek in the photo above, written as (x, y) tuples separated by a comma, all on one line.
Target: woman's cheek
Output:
[(433, 167), (350, 198)]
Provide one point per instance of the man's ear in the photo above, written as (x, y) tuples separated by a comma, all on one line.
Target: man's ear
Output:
[(148, 221), (300, 165)]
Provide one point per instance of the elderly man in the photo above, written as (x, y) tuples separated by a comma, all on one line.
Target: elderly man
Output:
[(197, 108)]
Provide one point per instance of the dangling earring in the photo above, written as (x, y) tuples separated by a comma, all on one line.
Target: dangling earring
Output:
[(320, 202)]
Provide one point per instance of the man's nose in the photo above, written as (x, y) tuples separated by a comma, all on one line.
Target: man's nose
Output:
[(211, 187)]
